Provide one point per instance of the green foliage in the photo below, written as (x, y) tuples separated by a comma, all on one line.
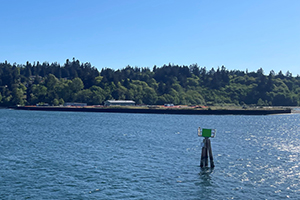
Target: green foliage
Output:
[(51, 81), (76, 85), (53, 84), (98, 95), (84, 96), (55, 102), (150, 96), (260, 102), (38, 94)]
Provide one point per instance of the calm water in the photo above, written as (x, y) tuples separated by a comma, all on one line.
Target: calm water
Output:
[(61, 155)]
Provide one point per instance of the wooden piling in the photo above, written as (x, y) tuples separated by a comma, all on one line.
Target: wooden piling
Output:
[(204, 156), (212, 165), (206, 149)]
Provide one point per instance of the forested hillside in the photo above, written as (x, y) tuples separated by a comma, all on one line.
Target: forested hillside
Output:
[(54, 84)]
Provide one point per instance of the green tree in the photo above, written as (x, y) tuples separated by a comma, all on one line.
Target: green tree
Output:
[(51, 81), (17, 96), (98, 80), (8, 101), (84, 96), (39, 93), (61, 101), (161, 100), (260, 102), (98, 95), (175, 96), (150, 96), (55, 102), (129, 94), (76, 85)]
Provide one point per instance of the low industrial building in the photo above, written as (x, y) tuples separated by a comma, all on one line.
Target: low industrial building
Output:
[(119, 103)]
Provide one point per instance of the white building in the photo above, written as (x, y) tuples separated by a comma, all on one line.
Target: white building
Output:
[(119, 103)]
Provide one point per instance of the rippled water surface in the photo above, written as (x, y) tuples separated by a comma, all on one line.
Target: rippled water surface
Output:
[(62, 155)]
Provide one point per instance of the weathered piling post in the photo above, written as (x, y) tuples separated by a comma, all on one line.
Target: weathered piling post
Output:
[(205, 151), (206, 147), (211, 158)]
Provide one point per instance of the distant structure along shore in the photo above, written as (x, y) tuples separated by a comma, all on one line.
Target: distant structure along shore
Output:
[(119, 103)]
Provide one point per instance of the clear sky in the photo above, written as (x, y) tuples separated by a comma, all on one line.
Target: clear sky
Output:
[(239, 34)]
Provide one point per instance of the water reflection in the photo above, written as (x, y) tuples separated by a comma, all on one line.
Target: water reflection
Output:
[(204, 184), (205, 176)]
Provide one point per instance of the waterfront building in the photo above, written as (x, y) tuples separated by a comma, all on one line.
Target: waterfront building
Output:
[(119, 103)]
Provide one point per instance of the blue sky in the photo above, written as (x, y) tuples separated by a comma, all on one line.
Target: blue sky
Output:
[(115, 33)]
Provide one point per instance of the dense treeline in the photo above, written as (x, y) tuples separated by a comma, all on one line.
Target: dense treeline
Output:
[(54, 84)]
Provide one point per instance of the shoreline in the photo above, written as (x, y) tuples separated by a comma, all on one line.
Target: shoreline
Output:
[(257, 111)]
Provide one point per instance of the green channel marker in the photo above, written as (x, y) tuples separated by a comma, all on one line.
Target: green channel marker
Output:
[(206, 132)]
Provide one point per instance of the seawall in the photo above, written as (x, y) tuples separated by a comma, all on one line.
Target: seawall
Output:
[(159, 111)]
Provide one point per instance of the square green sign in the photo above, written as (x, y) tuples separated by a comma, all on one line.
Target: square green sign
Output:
[(206, 132)]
